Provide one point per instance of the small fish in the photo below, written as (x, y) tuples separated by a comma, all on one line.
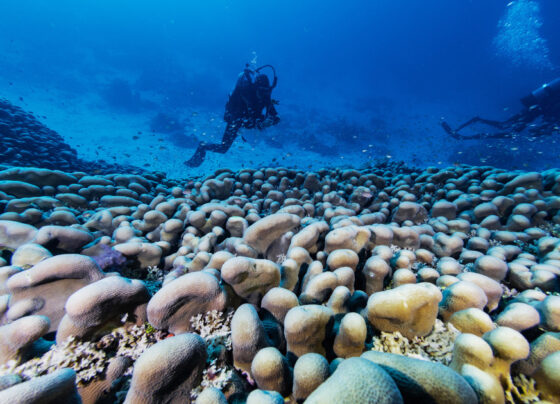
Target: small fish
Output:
[(163, 148), (147, 165), (135, 137)]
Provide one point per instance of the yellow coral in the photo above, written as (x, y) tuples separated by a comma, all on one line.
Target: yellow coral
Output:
[(523, 391)]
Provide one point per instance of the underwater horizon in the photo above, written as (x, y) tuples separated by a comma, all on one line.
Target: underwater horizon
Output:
[(267, 202)]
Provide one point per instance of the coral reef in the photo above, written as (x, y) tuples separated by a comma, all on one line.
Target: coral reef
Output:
[(273, 283), (87, 358), (26, 142)]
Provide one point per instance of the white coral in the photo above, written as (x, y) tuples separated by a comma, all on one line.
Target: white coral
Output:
[(87, 358), (436, 346)]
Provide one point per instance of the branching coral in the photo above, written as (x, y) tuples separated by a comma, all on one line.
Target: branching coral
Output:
[(552, 229), (152, 276), (436, 346), (88, 359), (508, 292), (524, 391), (84, 358), (131, 342), (528, 247), (215, 328), (154, 279), (495, 243), (280, 258), (214, 325), (215, 375)]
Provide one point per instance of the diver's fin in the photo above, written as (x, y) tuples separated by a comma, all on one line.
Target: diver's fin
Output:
[(447, 128), (450, 131)]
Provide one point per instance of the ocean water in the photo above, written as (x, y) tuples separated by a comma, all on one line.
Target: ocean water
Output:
[(140, 83), (367, 222)]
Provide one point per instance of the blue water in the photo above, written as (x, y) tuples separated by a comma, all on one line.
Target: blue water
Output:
[(140, 82)]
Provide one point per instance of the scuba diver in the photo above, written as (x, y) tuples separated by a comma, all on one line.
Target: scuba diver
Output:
[(249, 106), (544, 102)]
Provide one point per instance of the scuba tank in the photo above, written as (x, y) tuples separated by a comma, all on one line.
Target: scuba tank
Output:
[(252, 89)]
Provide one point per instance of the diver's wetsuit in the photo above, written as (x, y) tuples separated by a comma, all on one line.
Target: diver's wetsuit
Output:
[(543, 102), (249, 106), (227, 140)]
